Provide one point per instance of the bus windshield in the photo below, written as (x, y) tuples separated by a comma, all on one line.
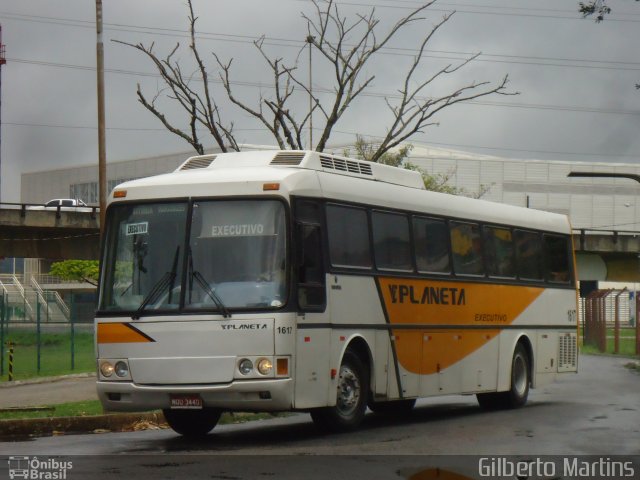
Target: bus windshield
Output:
[(233, 258)]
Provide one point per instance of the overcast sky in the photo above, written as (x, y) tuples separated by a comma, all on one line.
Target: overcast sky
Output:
[(576, 78)]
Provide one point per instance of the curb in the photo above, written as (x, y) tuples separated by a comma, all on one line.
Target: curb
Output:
[(96, 423), (36, 381)]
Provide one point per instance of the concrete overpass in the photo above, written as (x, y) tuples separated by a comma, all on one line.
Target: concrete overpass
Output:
[(607, 255), (601, 255), (53, 234)]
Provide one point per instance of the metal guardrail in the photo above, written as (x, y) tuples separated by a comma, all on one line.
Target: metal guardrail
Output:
[(56, 296), (615, 234), (25, 207), (12, 280), (606, 231), (44, 279), (39, 297)]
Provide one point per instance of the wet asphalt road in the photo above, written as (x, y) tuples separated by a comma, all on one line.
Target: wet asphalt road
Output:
[(596, 412)]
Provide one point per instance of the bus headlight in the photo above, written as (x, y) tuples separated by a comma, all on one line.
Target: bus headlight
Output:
[(122, 369), (265, 366), (106, 369), (245, 366)]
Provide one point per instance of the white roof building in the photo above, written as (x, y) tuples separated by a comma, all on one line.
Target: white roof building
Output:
[(591, 203)]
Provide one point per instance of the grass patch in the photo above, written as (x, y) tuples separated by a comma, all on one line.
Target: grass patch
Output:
[(55, 354), (589, 350), (72, 409), (627, 343), (627, 347), (94, 407)]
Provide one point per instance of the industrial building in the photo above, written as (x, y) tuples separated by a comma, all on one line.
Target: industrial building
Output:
[(608, 204), (591, 203)]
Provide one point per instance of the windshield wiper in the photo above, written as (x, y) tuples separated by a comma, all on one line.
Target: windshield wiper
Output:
[(205, 286), (209, 291), (167, 280)]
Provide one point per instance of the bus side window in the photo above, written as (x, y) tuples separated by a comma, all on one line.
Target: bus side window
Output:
[(391, 244), (556, 254), (431, 240), (309, 260), (311, 289), (529, 255), (499, 252), (466, 246), (348, 232)]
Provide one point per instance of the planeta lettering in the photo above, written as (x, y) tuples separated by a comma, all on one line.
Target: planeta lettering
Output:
[(245, 326), (428, 295)]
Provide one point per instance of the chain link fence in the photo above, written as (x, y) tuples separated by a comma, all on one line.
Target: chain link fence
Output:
[(46, 334), (610, 321)]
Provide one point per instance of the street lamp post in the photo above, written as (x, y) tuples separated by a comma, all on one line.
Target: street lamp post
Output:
[(310, 40), (631, 176)]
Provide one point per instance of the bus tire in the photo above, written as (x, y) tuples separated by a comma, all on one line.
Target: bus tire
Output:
[(392, 407), (351, 400), (520, 378), (192, 423), (518, 393)]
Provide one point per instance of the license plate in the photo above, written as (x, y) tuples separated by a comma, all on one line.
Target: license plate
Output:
[(186, 402)]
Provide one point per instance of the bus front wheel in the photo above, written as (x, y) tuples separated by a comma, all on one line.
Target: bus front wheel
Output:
[(517, 395), (192, 423), (351, 400)]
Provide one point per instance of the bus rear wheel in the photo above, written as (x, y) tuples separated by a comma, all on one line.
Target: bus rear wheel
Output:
[(517, 395), (520, 378), (192, 423), (351, 400)]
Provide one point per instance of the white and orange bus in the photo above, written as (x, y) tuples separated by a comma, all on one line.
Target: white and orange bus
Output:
[(302, 281)]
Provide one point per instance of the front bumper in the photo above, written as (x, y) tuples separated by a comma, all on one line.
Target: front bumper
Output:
[(245, 395)]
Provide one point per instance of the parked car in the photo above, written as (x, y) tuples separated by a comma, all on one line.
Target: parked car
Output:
[(65, 205)]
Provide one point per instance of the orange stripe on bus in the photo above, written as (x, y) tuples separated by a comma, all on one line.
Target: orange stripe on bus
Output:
[(120, 333), (426, 350)]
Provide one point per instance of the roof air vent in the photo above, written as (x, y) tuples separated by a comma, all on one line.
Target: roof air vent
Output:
[(198, 162), (365, 168), (326, 162), (342, 165), (290, 159)]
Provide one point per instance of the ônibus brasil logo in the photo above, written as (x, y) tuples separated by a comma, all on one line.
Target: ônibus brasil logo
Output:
[(36, 469)]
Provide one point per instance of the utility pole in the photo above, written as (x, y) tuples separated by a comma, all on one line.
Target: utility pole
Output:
[(3, 60), (310, 40), (102, 149)]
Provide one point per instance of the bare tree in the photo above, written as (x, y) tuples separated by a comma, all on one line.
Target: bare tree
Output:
[(200, 106), (347, 46)]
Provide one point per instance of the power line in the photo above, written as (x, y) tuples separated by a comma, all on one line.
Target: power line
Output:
[(83, 127), (476, 12), (449, 145), (502, 7), (393, 51), (533, 106), (573, 13), (318, 89), (117, 129), (506, 149)]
